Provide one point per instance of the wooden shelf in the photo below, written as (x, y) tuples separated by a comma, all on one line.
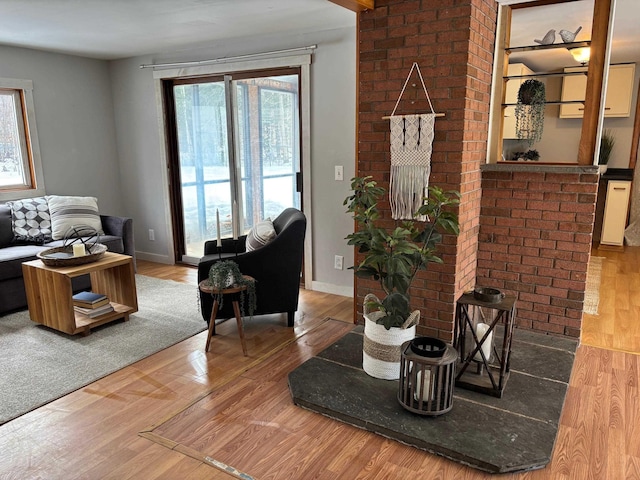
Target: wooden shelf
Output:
[(119, 311)]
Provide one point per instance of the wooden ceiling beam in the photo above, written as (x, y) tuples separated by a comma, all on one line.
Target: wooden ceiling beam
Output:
[(356, 5)]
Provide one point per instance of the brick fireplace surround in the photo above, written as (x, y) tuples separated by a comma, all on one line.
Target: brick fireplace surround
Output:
[(525, 228)]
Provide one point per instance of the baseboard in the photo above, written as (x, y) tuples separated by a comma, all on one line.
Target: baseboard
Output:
[(333, 289), (154, 257)]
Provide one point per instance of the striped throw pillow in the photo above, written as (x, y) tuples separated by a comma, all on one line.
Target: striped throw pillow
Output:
[(261, 234), (68, 212)]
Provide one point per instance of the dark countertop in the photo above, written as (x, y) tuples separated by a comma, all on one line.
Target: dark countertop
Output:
[(618, 174)]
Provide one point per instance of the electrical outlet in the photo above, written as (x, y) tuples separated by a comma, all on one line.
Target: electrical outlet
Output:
[(338, 261), (339, 173), (152, 235)]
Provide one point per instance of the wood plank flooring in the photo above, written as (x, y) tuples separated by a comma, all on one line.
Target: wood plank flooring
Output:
[(617, 325), (94, 433)]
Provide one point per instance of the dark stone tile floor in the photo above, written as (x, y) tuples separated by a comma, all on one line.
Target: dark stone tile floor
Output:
[(514, 433)]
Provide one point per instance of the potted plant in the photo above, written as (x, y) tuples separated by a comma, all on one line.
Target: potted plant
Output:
[(607, 142), (393, 257), (226, 274), (529, 111)]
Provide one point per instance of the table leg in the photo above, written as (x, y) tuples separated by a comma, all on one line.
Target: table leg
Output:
[(212, 323)]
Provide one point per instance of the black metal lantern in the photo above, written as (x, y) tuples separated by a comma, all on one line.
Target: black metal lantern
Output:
[(82, 235), (427, 370), (483, 336)]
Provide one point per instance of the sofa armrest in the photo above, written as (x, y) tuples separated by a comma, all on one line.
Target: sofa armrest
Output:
[(120, 227)]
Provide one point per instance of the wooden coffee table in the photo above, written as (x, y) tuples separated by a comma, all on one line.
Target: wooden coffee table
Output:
[(49, 293)]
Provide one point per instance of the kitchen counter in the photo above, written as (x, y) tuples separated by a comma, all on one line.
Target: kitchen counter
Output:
[(618, 174)]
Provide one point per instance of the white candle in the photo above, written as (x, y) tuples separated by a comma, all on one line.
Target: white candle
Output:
[(78, 250), (235, 221), (427, 393), (481, 329), (219, 241)]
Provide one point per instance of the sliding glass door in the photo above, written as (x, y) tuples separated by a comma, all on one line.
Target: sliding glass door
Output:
[(234, 147)]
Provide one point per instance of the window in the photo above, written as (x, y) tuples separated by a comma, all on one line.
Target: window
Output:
[(20, 168)]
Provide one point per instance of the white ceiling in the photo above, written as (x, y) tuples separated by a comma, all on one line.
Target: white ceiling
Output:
[(111, 29)]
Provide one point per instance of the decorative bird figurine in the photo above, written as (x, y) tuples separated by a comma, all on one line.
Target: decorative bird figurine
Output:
[(567, 36), (548, 39)]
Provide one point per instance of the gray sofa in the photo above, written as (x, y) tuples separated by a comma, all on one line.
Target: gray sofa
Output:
[(118, 238)]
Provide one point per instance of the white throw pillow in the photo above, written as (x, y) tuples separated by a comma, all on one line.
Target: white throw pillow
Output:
[(67, 212), (261, 234)]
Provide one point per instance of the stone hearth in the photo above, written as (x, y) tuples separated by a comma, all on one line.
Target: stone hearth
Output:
[(514, 433)]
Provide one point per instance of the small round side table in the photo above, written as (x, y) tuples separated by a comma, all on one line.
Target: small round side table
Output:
[(206, 287)]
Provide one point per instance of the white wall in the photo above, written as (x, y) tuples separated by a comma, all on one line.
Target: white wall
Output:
[(74, 118), (333, 85)]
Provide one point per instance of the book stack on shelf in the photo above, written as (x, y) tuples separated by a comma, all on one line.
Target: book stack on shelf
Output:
[(91, 304)]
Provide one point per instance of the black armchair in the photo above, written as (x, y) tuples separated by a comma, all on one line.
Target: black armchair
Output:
[(276, 267)]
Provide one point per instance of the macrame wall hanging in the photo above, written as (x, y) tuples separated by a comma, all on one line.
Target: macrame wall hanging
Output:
[(411, 146)]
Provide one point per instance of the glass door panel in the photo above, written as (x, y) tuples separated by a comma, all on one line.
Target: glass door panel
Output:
[(204, 161), (268, 145)]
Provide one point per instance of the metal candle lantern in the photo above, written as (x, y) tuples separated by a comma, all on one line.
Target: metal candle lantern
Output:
[(427, 370), (82, 235), (484, 350)]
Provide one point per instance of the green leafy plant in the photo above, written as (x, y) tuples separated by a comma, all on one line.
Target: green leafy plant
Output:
[(226, 274), (607, 142), (529, 111), (528, 155), (393, 257)]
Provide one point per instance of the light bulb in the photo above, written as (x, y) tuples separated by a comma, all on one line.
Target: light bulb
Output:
[(581, 54)]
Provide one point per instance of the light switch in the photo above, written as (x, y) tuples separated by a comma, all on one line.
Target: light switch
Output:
[(339, 173)]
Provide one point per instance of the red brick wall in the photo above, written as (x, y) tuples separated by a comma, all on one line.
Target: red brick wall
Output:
[(535, 240), (452, 41)]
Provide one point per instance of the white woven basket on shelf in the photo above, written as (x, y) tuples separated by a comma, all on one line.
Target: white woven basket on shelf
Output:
[(381, 347)]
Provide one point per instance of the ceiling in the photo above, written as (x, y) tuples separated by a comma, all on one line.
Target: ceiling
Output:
[(112, 29)]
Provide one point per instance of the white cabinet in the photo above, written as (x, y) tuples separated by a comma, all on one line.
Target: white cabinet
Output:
[(618, 97), (615, 212), (511, 96)]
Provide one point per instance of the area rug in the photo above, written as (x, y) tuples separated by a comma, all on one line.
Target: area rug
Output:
[(39, 365), (592, 292)]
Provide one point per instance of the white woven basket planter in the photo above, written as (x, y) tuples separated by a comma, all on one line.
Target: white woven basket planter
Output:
[(381, 347)]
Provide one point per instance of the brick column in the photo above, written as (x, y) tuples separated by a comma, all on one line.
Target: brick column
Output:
[(453, 42)]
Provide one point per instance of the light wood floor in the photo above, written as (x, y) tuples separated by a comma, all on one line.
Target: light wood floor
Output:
[(617, 325), (94, 433)]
